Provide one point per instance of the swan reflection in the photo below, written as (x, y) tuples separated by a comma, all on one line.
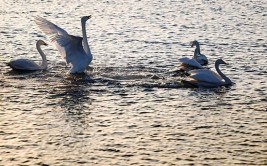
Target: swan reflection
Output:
[(73, 93)]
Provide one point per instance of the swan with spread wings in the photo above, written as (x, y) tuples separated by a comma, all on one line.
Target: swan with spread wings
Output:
[(74, 49)]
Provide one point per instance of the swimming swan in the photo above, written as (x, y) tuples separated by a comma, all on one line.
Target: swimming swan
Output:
[(28, 65), (200, 58), (208, 78), (74, 49), (196, 61)]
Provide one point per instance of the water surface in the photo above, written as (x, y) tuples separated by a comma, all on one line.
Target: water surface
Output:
[(131, 109)]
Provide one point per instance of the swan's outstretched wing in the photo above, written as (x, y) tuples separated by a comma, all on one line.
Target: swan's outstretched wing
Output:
[(48, 27), (53, 31), (72, 46), (205, 75), (191, 62)]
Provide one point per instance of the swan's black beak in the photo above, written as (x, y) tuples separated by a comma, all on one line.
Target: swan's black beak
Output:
[(45, 44), (88, 17), (192, 44), (225, 63)]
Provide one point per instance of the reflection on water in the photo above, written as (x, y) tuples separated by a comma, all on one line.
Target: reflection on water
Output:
[(72, 94), (130, 108)]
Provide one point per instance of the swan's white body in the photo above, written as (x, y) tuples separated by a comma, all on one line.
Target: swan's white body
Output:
[(28, 65), (208, 78), (200, 58), (75, 50)]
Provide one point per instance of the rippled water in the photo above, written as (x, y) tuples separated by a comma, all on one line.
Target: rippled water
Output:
[(132, 109)]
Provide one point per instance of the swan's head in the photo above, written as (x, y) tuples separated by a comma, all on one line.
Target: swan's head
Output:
[(85, 18), (41, 42), (194, 43)]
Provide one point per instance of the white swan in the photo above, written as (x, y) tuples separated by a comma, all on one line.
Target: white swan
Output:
[(200, 58), (208, 78), (196, 61), (75, 50), (28, 65)]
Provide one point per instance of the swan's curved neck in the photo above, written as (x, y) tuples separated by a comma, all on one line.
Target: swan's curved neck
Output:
[(44, 61), (197, 50), (226, 79), (85, 42)]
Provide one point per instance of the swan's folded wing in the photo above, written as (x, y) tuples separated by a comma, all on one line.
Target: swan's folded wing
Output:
[(184, 59), (72, 45), (191, 62), (202, 59), (53, 31), (205, 75), (200, 71), (23, 64)]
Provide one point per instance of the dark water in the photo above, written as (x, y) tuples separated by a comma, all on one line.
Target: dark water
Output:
[(131, 109)]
